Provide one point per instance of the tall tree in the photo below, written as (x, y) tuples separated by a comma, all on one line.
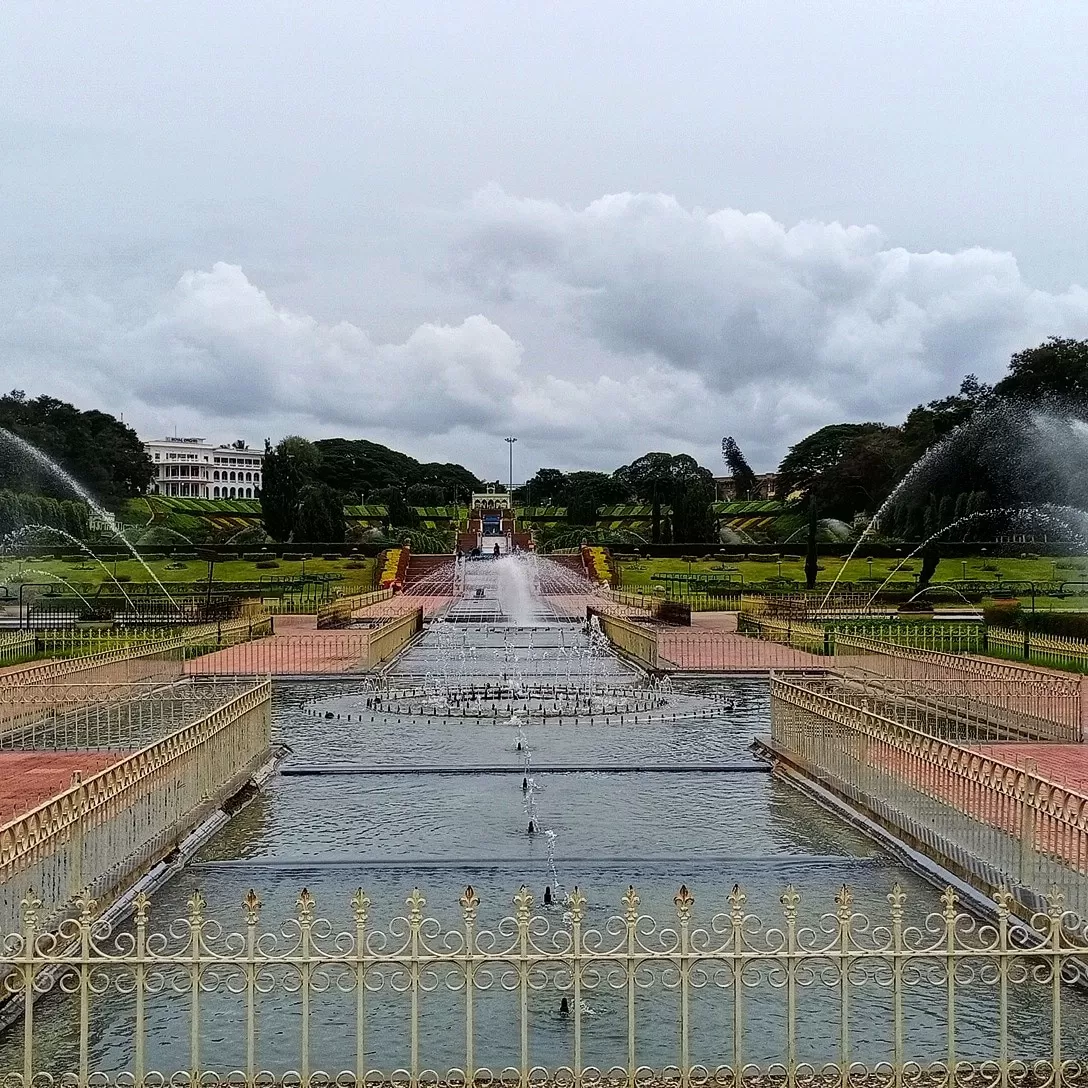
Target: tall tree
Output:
[(812, 553), (1054, 372), (102, 453), (320, 515), (744, 479), (288, 469)]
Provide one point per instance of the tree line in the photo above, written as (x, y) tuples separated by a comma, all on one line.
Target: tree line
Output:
[(987, 448)]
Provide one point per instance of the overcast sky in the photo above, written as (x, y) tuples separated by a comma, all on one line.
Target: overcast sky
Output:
[(602, 227)]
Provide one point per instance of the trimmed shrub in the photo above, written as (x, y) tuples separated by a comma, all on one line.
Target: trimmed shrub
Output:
[(332, 557), (266, 564), (256, 557), (185, 555), (296, 557), (1008, 613), (354, 564), (123, 578)]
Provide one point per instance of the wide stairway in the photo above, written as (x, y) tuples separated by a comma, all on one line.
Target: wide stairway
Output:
[(429, 576)]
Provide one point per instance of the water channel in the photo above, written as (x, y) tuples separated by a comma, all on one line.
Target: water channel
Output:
[(427, 789)]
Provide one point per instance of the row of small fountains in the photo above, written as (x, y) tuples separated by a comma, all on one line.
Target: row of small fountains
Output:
[(538, 702)]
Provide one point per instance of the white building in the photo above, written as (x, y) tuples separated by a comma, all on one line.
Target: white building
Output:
[(193, 468)]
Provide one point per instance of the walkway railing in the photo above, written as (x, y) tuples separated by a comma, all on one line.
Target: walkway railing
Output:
[(339, 612), (88, 840), (820, 637), (633, 639), (828, 996), (1036, 648), (1058, 700), (1001, 822)]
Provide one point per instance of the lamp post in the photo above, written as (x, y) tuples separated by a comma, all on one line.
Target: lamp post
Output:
[(510, 442)]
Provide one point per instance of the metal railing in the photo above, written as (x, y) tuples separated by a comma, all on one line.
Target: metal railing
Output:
[(386, 641), (633, 639), (89, 839), (820, 637), (132, 717), (1037, 648), (15, 646), (1005, 824), (833, 997), (1051, 698), (339, 612), (312, 653)]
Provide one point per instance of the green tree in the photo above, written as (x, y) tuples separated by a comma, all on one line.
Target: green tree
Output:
[(810, 459), (401, 515), (288, 469), (1056, 372), (320, 515), (744, 479), (679, 481), (99, 451), (812, 554)]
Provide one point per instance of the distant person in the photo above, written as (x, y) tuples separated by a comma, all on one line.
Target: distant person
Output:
[(498, 551)]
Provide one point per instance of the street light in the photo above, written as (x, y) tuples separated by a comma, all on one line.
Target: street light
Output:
[(510, 442)]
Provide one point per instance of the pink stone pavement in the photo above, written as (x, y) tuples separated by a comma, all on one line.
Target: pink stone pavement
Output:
[(29, 779), (712, 644)]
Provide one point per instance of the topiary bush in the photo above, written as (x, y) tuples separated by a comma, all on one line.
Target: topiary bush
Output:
[(257, 557), (266, 564), (296, 557), (332, 557), (1008, 613)]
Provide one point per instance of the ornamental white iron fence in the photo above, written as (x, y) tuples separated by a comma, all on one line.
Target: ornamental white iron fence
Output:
[(569, 996)]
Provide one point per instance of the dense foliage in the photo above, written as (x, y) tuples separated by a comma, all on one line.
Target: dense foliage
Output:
[(104, 455), (358, 468), (19, 511), (984, 455)]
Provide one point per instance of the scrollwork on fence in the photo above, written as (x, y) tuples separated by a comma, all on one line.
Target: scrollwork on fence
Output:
[(699, 994)]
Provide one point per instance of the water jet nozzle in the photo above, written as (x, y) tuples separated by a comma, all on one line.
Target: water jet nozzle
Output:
[(532, 827), (548, 895)]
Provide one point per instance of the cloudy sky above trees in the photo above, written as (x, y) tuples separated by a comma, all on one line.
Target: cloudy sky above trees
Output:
[(603, 227)]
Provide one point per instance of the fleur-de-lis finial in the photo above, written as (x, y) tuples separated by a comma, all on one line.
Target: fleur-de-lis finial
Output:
[(576, 903), (684, 901), (789, 899), (844, 903), (415, 903), (141, 908), (523, 905), (897, 897), (1055, 901), (469, 902), (631, 901), (31, 905), (305, 905), (1003, 899), (86, 907), (196, 906), (360, 906), (737, 899), (251, 907), (950, 900)]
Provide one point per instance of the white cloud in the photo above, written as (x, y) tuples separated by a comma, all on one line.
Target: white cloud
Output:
[(628, 325), (803, 325)]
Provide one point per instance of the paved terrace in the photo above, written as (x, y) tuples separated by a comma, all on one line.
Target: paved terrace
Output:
[(712, 644), (299, 648), (29, 779)]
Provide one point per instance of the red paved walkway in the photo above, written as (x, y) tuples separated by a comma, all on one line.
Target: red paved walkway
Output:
[(1065, 764), (27, 779), (704, 648)]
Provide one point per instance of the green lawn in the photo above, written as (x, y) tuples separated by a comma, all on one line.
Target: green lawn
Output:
[(194, 570), (646, 572)]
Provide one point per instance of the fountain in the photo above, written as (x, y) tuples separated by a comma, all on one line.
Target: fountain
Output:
[(69, 481)]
